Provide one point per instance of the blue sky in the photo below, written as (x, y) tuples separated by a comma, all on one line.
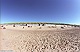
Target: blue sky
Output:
[(63, 11)]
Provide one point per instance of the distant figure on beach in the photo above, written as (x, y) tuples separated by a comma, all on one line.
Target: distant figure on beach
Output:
[(42, 24), (14, 25), (62, 27), (23, 27), (4, 28), (39, 24), (26, 24)]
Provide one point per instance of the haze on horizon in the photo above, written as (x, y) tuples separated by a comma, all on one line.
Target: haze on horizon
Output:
[(62, 11)]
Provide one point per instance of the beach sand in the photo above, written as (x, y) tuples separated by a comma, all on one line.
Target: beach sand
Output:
[(67, 40)]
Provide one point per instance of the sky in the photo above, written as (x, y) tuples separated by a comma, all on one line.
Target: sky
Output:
[(60, 11)]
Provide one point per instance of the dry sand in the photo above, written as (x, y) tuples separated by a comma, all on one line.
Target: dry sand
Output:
[(67, 40)]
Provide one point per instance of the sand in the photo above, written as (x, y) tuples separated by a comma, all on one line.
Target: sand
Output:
[(67, 40)]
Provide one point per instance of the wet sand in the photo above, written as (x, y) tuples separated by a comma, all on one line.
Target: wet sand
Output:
[(67, 40)]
